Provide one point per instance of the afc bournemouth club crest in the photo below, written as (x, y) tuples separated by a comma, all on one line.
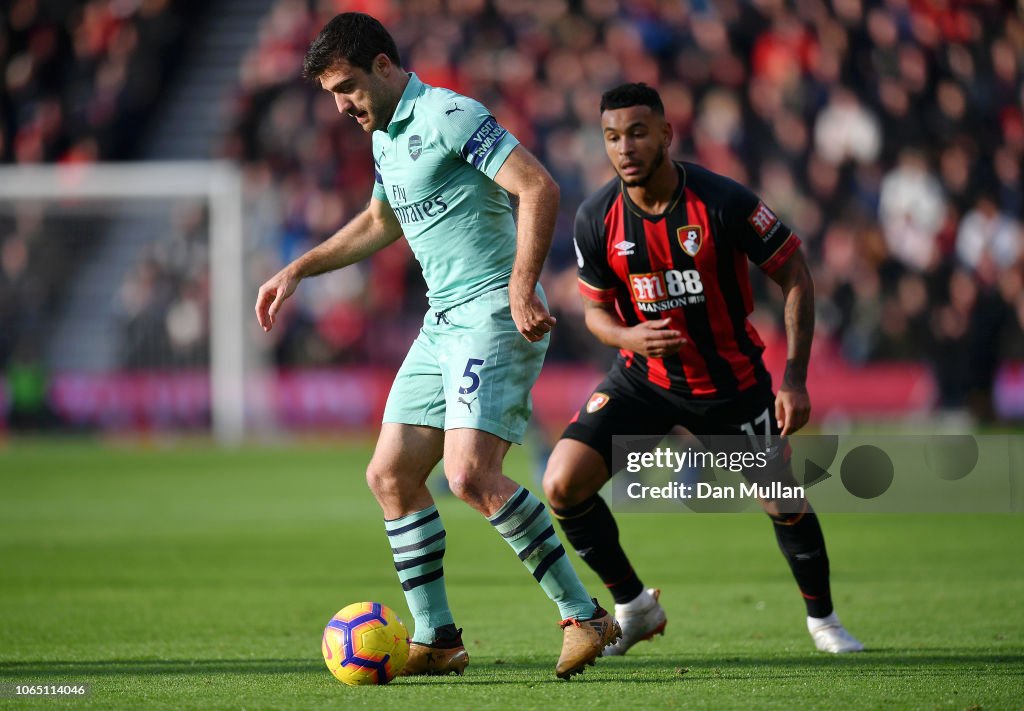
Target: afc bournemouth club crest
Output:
[(596, 402), (690, 238), (415, 147)]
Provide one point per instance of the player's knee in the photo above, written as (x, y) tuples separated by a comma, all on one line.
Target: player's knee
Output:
[(468, 484), (560, 487), (382, 482)]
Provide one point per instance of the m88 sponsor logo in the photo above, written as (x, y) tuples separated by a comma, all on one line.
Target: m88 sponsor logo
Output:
[(664, 290)]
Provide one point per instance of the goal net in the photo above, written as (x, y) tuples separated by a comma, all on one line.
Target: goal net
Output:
[(125, 300)]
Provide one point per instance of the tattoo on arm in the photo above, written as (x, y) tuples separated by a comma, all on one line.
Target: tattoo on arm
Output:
[(799, 317), (796, 374)]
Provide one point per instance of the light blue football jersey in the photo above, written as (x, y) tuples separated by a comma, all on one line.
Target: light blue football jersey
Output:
[(435, 166)]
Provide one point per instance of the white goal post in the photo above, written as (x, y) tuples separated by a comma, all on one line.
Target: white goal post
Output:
[(217, 182)]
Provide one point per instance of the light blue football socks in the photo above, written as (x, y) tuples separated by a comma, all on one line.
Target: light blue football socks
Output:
[(525, 524), (417, 544)]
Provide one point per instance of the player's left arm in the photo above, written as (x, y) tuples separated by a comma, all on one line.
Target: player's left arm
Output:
[(522, 175), (792, 403)]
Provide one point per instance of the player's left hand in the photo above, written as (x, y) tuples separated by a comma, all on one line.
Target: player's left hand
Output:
[(530, 315), (792, 409)]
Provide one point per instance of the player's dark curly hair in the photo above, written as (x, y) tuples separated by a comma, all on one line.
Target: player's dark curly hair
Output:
[(353, 36), (627, 95)]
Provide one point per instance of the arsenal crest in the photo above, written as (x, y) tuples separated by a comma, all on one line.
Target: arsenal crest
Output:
[(596, 402), (415, 146), (690, 238)]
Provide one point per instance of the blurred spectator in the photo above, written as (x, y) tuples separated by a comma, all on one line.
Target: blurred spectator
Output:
[(28, 391), (845, 130), (989, 246), (988, 240), (912, 210), (164, 304)]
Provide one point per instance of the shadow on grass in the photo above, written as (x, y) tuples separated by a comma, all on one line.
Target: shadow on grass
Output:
[(518, 670), (812, 661), (700, 669), (145, 667)]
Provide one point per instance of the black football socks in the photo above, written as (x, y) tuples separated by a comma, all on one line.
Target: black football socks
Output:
[(592, 532), (803, 545)]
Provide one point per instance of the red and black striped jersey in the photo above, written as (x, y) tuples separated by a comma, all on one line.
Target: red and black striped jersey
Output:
[(690, 265)]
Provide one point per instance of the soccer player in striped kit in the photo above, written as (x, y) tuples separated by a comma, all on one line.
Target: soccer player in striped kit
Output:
[(663, 252)]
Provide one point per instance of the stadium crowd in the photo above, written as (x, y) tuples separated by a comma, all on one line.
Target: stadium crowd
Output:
[(80, 77), (889, 135)]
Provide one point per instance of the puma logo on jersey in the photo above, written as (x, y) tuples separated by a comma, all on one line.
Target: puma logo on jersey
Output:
[(449, 112), (469, 404)]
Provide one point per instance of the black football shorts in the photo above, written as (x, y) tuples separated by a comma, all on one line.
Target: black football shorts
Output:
[(625, 405)]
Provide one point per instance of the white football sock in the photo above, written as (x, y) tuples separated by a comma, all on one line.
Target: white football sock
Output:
[(814, 623), (641, 602)]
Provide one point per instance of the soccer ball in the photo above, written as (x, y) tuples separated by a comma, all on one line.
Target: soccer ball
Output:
[(365, 643)]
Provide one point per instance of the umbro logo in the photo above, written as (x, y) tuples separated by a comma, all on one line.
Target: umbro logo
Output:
[(449, 112), (625, 248)]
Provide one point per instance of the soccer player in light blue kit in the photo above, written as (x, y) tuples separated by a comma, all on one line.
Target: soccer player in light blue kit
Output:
[(444, 168)]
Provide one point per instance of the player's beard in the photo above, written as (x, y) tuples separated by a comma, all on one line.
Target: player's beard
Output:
[(646, 177), (379, 109)]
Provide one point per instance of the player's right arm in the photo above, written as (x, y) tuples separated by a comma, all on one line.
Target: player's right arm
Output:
[(654, 339), (599, 286), (370, 231)]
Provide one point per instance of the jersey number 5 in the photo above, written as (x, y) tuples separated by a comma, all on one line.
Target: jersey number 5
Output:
[(474, 378)]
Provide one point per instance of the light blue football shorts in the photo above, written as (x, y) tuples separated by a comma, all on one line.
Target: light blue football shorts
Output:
[(469, 368)]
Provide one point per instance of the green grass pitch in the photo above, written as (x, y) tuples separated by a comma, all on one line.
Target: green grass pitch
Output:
[(187, 577)]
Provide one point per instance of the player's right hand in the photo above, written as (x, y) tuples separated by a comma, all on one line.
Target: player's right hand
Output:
[(654, 339), (272, 294)]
